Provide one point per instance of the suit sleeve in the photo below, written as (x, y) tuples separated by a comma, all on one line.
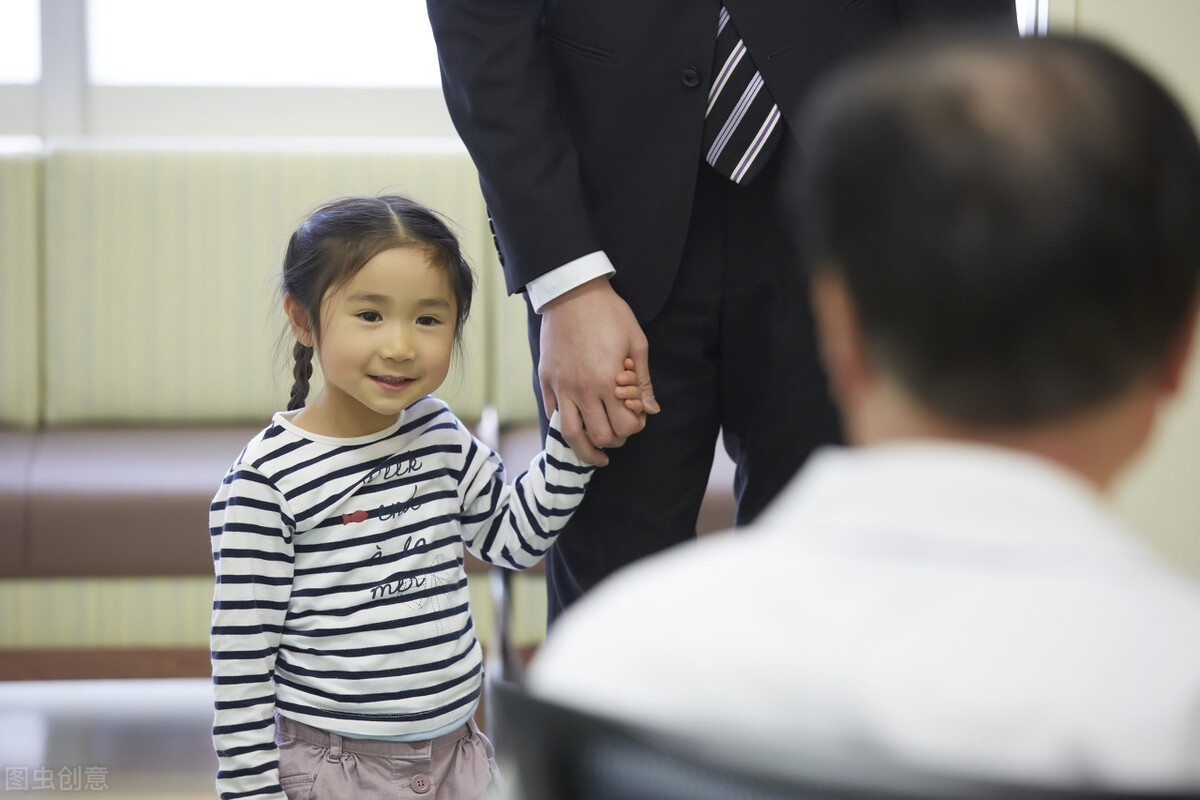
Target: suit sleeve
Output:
[(500, 92)]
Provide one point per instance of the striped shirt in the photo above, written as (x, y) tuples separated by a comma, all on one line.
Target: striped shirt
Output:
[(341, 599)]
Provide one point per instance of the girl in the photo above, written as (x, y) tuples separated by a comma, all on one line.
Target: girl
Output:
[(345, 661)]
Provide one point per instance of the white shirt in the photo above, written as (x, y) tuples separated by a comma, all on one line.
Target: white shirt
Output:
[(563, 279), (950, 609)]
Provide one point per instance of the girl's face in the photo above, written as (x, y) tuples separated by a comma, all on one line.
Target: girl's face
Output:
[(386, 339)]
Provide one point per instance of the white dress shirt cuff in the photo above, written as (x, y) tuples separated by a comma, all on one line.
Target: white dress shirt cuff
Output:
[(559, 281)]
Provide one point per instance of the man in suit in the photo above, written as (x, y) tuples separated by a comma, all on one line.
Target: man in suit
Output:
[(586, 121)]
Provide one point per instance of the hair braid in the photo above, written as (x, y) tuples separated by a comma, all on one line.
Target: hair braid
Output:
[(301, 372)]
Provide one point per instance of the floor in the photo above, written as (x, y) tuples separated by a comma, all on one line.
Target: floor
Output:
[(113, 739)]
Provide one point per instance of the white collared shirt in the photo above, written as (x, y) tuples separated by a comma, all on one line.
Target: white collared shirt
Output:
[(944, 608), (563, 279)]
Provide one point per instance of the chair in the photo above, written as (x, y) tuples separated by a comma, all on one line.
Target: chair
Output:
[(555, 753), (551, 752)]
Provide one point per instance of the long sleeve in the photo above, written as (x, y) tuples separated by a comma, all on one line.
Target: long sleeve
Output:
[(513, 525), (251, 532), (341, 599), (502, 99)]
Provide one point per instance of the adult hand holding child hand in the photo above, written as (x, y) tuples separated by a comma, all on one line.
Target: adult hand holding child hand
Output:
[(585, 333)]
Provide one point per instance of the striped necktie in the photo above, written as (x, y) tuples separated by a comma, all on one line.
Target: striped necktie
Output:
[(741, 125)]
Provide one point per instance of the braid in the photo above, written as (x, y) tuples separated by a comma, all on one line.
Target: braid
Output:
[(301, 372)]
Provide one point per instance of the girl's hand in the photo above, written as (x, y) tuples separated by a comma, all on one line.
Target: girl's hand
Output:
[(628, 390)]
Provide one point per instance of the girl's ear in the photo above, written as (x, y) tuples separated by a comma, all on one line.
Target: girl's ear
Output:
[(301, 325)]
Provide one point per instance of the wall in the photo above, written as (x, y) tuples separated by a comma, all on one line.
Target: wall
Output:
[(20, 254), (1161, 495), (138, 277)]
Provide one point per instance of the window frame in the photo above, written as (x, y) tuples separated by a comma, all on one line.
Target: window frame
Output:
[(65, 104)]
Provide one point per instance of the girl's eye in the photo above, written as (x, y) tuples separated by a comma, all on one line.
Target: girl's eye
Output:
[(427, 320), (369, 316)]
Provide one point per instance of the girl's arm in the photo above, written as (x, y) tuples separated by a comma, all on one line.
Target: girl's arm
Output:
[(513, 525), (251, 531)]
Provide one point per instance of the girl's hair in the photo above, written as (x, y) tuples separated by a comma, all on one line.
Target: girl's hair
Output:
[(339, 238)]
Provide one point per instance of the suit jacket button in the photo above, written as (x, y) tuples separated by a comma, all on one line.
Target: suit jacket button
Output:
[(691, 77)]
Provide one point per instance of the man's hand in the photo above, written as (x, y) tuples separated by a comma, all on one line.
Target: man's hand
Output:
[(587, 333)]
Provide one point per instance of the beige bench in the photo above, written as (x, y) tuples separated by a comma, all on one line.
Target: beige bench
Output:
[(122, 501)]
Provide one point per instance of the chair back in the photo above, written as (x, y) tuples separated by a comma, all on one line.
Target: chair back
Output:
[(552, 752)]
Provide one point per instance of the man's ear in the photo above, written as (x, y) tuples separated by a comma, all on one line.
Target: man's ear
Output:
[(1178, 360), (301, 324), (840, 339)]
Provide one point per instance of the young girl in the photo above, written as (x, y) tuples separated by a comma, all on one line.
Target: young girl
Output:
[(345, 661)]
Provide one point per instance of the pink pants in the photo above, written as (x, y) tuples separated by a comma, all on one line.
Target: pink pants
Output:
[(318, 765)]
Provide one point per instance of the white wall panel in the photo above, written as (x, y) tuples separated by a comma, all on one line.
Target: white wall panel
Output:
[(161, 302), (20, 255)]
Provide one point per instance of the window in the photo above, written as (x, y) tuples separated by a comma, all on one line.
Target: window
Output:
[(1032, 16), (20, 66), (261, 43), (20, 42), (262, 68), (223, 68)]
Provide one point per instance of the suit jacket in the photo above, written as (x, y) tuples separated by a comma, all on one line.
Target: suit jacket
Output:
[(585, 117)]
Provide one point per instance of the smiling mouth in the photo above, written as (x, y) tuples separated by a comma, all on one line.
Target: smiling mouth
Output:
[(389, 382)]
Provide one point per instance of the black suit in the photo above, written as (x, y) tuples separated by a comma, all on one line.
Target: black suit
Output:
[(585, 119)]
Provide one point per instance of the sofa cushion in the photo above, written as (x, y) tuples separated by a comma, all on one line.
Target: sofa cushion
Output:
[(16, 457), (125, 501)]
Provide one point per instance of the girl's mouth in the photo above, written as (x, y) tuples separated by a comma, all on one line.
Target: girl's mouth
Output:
[(390, 383)]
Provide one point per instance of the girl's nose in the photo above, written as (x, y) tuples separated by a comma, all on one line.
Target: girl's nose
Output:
[(397, 346)]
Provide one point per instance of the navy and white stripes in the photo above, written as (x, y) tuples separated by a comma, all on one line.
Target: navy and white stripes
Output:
[(741, 123), (341, 598)]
